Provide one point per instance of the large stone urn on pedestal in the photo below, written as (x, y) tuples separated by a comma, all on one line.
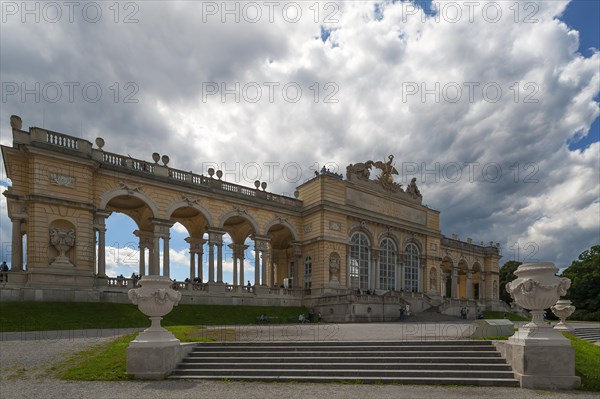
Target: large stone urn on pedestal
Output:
[(540, 355), (155, 352)]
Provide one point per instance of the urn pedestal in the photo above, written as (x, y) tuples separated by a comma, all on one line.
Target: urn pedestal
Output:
[(563, 309), (541, 356), (155, 352)]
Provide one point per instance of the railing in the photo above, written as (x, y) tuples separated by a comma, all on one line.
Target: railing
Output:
[(127, 162), (121, 282), (61, 140)]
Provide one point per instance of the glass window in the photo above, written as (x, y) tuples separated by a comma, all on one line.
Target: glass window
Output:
[(360, 261), (307, 272), (387, 265), (412, 268)]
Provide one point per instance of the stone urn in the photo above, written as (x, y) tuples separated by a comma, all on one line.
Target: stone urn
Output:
[(563, 309), (537, 288), (155, 298)]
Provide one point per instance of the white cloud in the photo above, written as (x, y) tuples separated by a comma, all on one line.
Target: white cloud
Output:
[(371, 65)]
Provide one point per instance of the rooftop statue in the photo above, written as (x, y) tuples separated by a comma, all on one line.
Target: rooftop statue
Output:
[(360, 173)]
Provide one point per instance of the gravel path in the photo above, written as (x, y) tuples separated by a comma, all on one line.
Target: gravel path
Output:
[(25, 373)]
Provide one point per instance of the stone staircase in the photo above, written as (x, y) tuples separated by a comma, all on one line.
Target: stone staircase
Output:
[(591, 334), (407, 362)]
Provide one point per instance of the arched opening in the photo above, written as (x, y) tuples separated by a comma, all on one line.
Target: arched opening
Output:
[(281, 259), (476, 282), (360, 261), (248, 252), (462, 289), (412, 268), (387, 265), (446, 278), (125, 256), (189, 240)]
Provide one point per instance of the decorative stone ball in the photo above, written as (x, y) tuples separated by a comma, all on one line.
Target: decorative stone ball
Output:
[(156, 157), (99, 142)]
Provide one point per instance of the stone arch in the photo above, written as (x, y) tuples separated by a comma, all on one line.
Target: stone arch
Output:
[(242, 215), (186, 204), (281, 236), (416, 242), (361, 229), (284, 222), (391, 236), (107, 196)]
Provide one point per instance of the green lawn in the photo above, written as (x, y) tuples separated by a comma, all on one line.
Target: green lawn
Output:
[(587, 363), (40, 316), (106, 362), (500, 315)]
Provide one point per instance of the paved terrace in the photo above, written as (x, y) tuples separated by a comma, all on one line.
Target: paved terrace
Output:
[(26, 359)]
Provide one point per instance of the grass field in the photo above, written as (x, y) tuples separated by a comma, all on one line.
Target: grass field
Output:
[(587, 363), (500, 315), (41, 316)]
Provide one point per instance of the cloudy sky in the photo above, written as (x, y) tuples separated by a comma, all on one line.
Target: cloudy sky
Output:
[(491, 105)]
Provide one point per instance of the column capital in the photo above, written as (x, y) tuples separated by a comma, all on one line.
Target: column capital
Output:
[(260, 242), (162, 227), (102, 213), (196, 243), (297, 249), (215, 236)]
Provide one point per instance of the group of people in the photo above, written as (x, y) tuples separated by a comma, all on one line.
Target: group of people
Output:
[(312, 317), (404, 311)]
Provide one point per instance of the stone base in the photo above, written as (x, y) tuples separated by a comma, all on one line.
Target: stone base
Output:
[(153, 362), (493, 328), (540, 366)]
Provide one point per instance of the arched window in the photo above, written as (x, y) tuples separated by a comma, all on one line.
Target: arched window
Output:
[(307, 272), (412, 268), (387, 265), (360, 261)]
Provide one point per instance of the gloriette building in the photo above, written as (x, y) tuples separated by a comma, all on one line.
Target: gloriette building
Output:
[(355, 248)]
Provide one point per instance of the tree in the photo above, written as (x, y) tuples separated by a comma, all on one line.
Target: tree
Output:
[(585, 281), (506, 275)]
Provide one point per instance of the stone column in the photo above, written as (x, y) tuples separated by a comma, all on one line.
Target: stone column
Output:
[(166, 258), (235, 271), (220, 261), (264, 267), (200, 266), (454, 289), (145, 241), (101, 251), (142, 260), (155, 257), (211, 261), (297, 257), (469, 285), (16, 262), (161, 230), (192, 265), (482, 286), (256, 264), (374, 272)]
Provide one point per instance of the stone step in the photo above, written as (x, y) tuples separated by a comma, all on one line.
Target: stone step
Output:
[(213, 366), (335, 359), (328, 344), (424, 380), (349, 373), (461, 362), (346, 348), (289, 353)]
